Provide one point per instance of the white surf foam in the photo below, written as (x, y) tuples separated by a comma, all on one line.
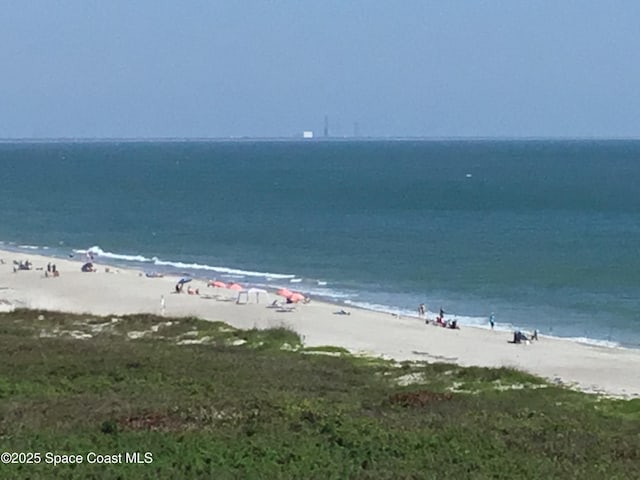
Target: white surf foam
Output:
[(381, 308), (591, 341), (232, 272), (461, 319), (328, 293), (98, 252)]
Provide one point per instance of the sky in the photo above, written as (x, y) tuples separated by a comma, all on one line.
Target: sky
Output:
[(231, 68)]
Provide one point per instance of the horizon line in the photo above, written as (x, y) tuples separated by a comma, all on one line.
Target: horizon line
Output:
[(315, 139)]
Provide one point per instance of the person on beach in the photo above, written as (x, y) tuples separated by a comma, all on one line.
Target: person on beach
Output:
[(520, 337), (421, 310), (492, 320)]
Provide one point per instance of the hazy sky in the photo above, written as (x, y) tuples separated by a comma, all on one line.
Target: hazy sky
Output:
[(274, 68)]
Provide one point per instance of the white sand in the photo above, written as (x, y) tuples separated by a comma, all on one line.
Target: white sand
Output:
[(614, 371)]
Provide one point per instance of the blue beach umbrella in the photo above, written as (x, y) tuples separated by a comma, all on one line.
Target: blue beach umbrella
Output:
[(184, 280)]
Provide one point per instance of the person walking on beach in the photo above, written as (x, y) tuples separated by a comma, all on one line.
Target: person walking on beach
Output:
[(492, 320), (421, 310)]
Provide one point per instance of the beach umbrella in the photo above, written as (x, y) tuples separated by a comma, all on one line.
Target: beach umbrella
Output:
[(296, 297), (235, 286), (184, 280), (258, 291), (285, 292), (218, 283)]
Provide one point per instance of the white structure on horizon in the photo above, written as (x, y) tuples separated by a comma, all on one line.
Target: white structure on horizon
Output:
[(307, 134)]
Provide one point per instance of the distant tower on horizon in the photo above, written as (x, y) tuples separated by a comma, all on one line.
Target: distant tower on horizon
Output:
[(326, 126)]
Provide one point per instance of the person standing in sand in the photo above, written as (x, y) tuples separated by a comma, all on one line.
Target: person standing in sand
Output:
[(492, 320), (421, 310)]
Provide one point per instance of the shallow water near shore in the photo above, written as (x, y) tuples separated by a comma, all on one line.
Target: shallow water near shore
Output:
[(546, 234)]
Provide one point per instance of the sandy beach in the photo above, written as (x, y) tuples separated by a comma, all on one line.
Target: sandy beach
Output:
[(611, 371)]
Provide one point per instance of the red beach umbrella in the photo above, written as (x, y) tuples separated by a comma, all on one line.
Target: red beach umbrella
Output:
[(218, 283), (285, 292), (235, 286), (296, 297)]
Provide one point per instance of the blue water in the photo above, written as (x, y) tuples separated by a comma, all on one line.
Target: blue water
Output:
[(546, 234)]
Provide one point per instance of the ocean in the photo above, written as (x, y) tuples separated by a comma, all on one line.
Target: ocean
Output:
[(544, 233)]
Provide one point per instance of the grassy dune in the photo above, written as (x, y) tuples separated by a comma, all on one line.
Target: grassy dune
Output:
[(210, 401)]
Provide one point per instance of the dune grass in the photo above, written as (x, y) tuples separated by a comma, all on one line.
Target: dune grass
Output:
[(251, 404)]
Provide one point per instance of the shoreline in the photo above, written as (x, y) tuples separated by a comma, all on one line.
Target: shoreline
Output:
[(592, 368), (197, 271)]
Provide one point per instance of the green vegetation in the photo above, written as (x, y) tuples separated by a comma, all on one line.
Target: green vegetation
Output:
[(211, 401)]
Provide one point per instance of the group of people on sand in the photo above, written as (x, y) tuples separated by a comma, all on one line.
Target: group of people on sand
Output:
[(88, 268), (521, 337), (20, 265), (439, 320), (52, 270), (518, 335), (191, 291)]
